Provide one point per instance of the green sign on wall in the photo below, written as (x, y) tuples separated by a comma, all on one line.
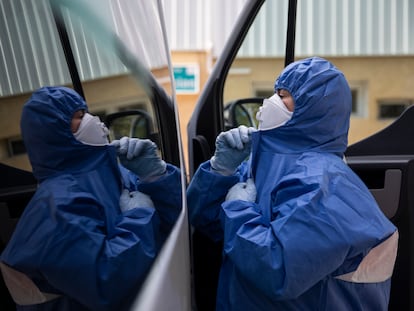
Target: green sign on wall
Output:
[(187, 78)]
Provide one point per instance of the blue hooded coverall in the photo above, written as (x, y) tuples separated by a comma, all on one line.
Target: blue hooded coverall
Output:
[(72, 239), (297, 247)]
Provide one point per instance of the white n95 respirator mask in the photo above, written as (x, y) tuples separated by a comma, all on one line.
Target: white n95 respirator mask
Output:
[(92, 131), (273, 113)]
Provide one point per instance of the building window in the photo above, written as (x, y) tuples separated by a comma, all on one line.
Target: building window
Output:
[(391, 109), (16, 146), (359, 92), (354, 101)]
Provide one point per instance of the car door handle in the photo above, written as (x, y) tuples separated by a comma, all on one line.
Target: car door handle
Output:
[(388, 198)]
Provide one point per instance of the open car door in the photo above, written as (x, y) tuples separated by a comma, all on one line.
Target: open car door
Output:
[(382, 157), (118, 59), (385, 162)]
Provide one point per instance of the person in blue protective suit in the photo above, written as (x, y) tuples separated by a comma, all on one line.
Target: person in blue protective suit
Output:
[(91, 232), (300, 230)]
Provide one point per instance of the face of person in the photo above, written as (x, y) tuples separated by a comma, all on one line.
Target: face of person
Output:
[(89, 129), (273, 113), (287, 99), (76, 120)]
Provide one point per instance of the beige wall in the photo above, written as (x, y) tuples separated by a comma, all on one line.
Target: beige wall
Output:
[(384, 77), (186, 102)]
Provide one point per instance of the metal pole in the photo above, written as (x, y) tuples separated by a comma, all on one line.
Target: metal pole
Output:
[(64, 39), (291, 32)]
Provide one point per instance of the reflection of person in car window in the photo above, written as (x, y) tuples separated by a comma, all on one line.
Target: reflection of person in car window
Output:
[(300, 230), (92, 230)]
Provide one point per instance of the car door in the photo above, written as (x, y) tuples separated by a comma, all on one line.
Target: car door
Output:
[(385, 162), (118, 59), (354, 36)]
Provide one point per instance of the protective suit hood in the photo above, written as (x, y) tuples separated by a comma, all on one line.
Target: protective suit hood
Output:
[(323, 103), (46, 130)]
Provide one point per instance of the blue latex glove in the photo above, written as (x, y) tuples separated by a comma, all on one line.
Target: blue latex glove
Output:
[(232, 147), (140, 156), (134, 199), (245, 191)]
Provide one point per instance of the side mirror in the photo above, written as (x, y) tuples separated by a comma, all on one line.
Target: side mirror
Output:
[(242, 112), (131, 123)]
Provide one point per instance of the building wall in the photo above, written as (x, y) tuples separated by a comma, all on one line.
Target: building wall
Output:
[(386, 78), (383, 77), (187, 102)]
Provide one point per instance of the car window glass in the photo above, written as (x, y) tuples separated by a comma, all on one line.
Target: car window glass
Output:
[(119, 51), (122, 61), (259, 59), (33, 56)]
